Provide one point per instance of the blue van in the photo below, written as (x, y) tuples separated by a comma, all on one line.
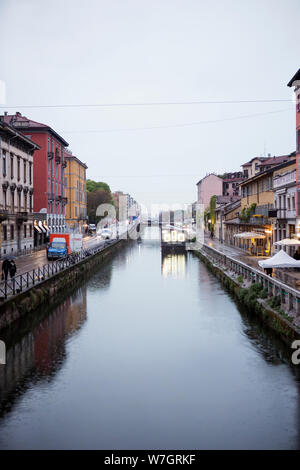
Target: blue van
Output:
[(57, 249)]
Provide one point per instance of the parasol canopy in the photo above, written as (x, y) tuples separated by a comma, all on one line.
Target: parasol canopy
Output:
[(288, 242), (280, 260), (249, 235)]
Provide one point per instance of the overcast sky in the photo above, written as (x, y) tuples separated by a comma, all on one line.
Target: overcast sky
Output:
[(137, 51)]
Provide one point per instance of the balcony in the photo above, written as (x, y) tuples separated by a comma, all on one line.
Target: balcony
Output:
[(64, 200), (50, 155), (21, 217), (51, 196), (64, 164), (57, 158)]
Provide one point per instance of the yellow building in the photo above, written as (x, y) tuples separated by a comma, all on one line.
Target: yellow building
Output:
[(75, 182), (258, 212)]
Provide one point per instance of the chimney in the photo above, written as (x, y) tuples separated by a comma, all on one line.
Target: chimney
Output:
[(18, 113), (5, 113)]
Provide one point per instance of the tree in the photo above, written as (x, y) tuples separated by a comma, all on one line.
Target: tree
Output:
[(95, 199), (96, 185)]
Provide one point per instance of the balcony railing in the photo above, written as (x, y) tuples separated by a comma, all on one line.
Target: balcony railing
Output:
[(50, 155)]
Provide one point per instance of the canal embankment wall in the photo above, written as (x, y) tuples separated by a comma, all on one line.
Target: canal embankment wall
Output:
[(275, 303)]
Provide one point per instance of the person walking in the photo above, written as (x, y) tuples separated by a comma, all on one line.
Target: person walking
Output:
[(5, 269), (12, 269)]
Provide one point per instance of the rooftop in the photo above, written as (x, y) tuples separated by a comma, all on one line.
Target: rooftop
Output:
[(24, 123)]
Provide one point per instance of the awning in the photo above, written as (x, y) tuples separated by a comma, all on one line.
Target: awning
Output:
[(280, 260), (288, 242), (46, 227), (37, 227), (41, 226), (249, 235)]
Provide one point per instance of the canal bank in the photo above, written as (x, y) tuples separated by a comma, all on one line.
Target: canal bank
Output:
[(47, 288), (261, 295)]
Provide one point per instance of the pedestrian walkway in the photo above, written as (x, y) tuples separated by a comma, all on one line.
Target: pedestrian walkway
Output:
[(38, 259), (290, 277)]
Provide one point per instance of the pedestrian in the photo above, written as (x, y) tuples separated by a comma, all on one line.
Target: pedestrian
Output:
[(12, 269), (297, 255), (5, 269)]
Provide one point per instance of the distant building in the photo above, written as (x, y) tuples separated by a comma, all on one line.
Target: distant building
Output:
[(251, 168), (231, 183), (210, 185), (16, 191), (75, 184)]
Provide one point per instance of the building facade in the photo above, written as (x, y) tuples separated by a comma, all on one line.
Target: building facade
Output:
[(75, 184), (284, 185), (210, 185), (16, 191), (48, 170), (295, 82)]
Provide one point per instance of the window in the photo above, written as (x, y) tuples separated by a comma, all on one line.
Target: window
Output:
[(30, 230), (30, 173), (4, 163), (293, 203), (11, 166), (25, 168), (18, 169), (289, 203), (12, 195), (25, 230), (25, 202), (19, 201), (4, 232), (12, 232)]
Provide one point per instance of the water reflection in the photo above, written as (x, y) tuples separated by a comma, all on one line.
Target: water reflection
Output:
[(39, 354), (165, 360), (173, 264)]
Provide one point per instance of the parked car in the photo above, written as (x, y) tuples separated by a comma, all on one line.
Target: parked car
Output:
[(58, 248), (92, 228), (106, 234)]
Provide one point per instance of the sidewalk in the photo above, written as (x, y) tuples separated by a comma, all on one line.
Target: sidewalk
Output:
[(37, 259), (290, 277)]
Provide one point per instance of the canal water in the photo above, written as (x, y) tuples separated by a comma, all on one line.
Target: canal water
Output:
[(152, 353)]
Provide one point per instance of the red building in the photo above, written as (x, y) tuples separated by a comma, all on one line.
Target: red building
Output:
[(295, 82), (48, 170)]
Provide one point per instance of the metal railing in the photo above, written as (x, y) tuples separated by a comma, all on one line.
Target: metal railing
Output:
[(290, 297), (24, 281)]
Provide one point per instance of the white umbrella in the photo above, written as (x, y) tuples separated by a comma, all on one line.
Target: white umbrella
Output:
[(249, 235), (280, 260), (288, 242)]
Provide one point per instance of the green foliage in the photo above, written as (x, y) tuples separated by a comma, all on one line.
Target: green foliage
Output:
[(96, 186), (240, 279), (275, 302), (246, 212)]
